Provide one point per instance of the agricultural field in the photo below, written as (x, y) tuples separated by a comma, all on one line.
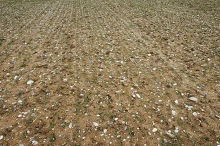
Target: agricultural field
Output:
[(110, 72)]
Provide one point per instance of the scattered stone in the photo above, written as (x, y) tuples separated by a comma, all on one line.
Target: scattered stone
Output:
[(21, 144), (174, 112), (195, 114), (176, 102), (20, 101), (217, 116), (1, 137), (20, 115), (15, 78), (154, 130), (105, 131), (154, 68), (95, 124), (174, 84), (193, 99), (30, 82), (138, 96), (34, 142), (169, 134), (70, 125)]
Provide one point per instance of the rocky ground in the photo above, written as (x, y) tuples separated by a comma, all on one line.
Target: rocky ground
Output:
[(109, 72)]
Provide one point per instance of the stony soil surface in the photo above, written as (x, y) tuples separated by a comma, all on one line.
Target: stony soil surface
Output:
[(109, 72)]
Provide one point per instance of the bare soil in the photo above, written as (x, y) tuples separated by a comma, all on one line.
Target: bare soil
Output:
[(110, 72)]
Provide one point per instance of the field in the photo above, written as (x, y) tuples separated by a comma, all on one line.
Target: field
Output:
[(110, 72)]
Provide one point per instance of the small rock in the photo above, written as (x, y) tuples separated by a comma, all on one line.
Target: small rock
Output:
[(154, 130), (30, 82), (154, 68), (174, 84), (149, 55), (169, 134), (193, 99), (95, 124), (105, 130), (15, 78), (19, 115), (217, 116), (21, 144), (20, 101), (70, 125), (34, 142), (64, 80), (176, 102), (195, 114), (174, 112), (138, 96), (1, 137)]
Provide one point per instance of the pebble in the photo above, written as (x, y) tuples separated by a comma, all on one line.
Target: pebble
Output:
[(1, 137), (154, 130), (138, 96), (70, 125), (170, 134), (193, 99), (105, 130), (21, 144), (19, 115), (30, 82), (20, 101), (176, 102), (15, 78), (34, 142), (95, 124), (174, 112), (195, 114)]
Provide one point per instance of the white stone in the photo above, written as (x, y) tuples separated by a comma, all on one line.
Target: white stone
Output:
[(19, 115), (20, 101), (154, 68), (176, 130), (154, 130), (95, 124), (1, 137), (105, 130), (21, 144), (195, 114), (176, 102), (174, 112), (34, 142), (64, 80), (70, 125), (169, 134), (193, 99), (138, 96), (15, 78), (30, 82)]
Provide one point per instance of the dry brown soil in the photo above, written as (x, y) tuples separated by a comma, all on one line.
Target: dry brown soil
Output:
[(110, 72)]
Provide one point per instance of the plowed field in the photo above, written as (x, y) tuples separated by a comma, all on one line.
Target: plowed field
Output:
[(110, 72)]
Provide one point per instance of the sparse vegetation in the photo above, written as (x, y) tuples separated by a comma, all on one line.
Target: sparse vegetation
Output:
[(109, 72)]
